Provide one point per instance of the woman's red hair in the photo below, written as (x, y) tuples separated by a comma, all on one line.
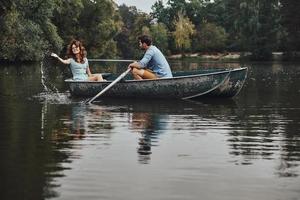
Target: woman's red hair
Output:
[(82, 53)]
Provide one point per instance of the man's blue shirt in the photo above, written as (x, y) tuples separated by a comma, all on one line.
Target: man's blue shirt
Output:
[(156, 61)]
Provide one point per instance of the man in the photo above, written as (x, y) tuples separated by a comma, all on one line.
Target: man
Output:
[(153, 65)]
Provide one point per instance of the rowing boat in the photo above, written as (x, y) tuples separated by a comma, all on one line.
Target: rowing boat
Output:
[(187, 85)]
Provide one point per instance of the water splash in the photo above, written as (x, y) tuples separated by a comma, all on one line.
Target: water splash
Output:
[(53, 97), (43, 78), (50, 93)]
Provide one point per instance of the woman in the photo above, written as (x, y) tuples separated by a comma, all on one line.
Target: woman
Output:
[(79, 64)]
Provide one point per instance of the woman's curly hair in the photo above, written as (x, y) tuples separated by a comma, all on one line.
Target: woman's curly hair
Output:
[(82, 52)]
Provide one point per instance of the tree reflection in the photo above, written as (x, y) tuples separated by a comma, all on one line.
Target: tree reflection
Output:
[(76, 122), (267, 127)]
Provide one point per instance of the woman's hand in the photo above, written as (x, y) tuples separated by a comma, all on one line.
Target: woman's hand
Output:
[(54, 55), (67, 61)]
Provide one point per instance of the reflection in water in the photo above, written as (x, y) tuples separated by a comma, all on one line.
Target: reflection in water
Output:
[(263, 136), (266, 128), (83, 120), (76, 123), (43, 119), (149, 126), (245, 148)]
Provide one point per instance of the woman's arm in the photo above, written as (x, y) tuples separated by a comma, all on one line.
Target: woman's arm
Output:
[(88, 71), (67, 61)]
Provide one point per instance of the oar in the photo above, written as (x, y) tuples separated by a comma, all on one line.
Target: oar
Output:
[(109, 86), (111, 60)]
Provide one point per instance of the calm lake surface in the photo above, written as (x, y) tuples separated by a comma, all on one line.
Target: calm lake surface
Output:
[(53, 146)]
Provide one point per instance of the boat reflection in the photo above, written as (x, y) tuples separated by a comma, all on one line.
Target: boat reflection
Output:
[(164, 107), (151, 118), (250, 134)]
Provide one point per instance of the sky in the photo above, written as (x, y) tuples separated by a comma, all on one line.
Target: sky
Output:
[(143, 5)]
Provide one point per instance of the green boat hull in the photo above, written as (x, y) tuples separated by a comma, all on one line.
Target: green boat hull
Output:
[(225, 83)]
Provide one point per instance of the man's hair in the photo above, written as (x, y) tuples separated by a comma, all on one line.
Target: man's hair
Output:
[(145, 39)]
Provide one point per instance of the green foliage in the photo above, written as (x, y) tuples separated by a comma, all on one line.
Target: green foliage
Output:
[(160, 13), (291, 22), (66, 18), (210, 38), (126, 47), (51, 34), (195, 10), (30, 28), (184, 29), (266, 39), (96, 23), (198, 11), (252, 25), (135, 24), (24, 27), (159, 35), (99, 25), (174, 7)]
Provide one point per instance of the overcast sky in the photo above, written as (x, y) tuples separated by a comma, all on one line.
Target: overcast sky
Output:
[(143, 5)]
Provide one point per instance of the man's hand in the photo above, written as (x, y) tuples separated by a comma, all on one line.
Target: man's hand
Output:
[(134, 65)]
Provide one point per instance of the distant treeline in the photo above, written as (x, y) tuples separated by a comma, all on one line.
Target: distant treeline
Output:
[(29, 29)]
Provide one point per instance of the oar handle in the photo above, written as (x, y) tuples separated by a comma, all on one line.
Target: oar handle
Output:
[(111, 60), (109, 86)]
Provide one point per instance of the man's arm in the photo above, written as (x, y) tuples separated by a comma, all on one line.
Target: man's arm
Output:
[(146, 59)]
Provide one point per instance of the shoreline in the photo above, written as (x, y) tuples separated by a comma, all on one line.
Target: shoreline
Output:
[(227, 56)]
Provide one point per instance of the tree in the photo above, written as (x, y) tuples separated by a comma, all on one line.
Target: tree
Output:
[(159, 35), (95, 22), (198, 11), (184, 29), (135, 24), (100, 23), (291, 23), (269, 26), (5, 6), (168, 14), (210, 38), (66, 18), (26, 30), (160, 13), (252, 25), (128, 15)]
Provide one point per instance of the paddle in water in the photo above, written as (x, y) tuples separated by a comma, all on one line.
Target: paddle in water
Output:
[(109, 86)]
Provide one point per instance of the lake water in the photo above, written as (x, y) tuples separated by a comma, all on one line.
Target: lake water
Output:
[(52, 146)]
